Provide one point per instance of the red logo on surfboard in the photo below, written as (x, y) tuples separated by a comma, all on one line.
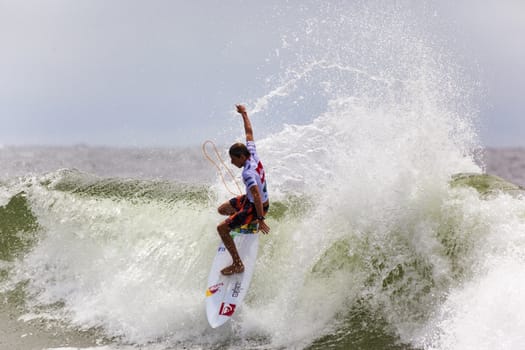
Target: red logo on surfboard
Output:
[(213, 289), (227, 309)]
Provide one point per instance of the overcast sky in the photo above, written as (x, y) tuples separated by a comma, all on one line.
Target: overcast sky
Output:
[(168, 73)]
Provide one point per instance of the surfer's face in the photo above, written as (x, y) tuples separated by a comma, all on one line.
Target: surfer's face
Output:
[(238, 161)]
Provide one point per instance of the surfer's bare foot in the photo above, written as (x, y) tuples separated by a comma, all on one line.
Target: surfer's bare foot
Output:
[(235, 268)]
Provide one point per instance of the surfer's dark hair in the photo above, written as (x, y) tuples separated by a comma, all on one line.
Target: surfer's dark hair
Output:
[(238, 149)]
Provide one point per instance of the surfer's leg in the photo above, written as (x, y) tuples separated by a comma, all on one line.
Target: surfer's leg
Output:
[(237, 266), (226, 209), (232, 206)]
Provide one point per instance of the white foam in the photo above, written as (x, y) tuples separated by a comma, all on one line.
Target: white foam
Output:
[(485, 310)]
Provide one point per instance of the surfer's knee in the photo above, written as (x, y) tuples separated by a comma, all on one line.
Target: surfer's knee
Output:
[(226, 209)]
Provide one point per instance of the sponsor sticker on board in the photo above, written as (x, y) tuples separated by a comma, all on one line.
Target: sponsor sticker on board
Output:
[(213, 289), (227, 309), (236, 289)]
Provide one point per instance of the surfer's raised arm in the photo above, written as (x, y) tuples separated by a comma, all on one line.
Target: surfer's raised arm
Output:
[(247, 124)]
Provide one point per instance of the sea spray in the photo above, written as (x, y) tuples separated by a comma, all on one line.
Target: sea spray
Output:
[(397, 123)]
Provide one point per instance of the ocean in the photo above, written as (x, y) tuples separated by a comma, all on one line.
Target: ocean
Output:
[(105, 248), (391, 226)]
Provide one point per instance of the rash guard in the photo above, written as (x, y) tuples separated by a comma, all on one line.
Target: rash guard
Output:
[(253, 174)]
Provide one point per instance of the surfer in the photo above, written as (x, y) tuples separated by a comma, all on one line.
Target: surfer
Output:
[(251, 206)]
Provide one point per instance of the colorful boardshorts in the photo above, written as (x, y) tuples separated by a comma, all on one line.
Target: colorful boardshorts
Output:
[(245, 212)]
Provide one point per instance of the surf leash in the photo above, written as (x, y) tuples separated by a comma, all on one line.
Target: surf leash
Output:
[(219, 170)]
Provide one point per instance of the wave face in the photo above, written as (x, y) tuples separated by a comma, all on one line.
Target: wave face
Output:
[(371, 247), (427, 267)]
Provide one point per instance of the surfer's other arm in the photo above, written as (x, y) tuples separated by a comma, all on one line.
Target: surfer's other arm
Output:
[(257, 200), (247, 124)]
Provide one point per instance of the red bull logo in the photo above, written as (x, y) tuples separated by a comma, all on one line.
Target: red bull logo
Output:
[(213, 289)]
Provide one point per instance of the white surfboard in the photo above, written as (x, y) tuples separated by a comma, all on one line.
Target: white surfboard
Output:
[(225, 293)]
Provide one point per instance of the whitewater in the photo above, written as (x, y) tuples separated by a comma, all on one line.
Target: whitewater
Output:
[(386, 234)]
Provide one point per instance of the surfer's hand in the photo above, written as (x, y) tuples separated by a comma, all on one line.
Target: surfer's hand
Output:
[(263, 227), (241, 109)]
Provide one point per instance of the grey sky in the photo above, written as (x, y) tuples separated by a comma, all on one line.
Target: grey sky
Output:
[(165, 73)]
